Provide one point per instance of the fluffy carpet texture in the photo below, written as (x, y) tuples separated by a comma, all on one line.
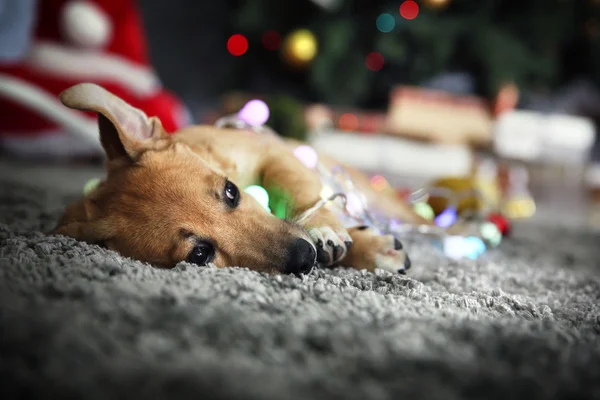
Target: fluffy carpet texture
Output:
[(78, 321)]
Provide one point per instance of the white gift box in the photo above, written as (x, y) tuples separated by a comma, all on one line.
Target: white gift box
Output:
[(534, 136), (394, 155)]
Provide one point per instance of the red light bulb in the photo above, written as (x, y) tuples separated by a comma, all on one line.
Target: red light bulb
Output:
[(501, 223)]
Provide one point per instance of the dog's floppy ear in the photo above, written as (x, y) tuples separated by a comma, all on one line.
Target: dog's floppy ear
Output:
[(124, 130)]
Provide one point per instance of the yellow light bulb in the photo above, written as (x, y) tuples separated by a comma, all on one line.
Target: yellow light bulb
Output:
[(300, 47)]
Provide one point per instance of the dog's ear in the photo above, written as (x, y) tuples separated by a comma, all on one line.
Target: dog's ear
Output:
[(125, 131)]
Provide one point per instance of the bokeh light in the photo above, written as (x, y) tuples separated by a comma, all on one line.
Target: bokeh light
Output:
[(446, 218), (454, 247), (409, 9), (237, 44), (491, 233), (374, 61), (520, 207), (379, 183), (255, 113), (281, 202), (500, 221), (385, 22), (473, 247), (424, 210), (300, 47), (457, 247), (91, 185), (260, 194), (395, 224), (271, 40), (326, 192), (354, 205), (349, 122), (307, 155)]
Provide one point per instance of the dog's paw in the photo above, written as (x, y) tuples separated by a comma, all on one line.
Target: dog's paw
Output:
[(331, 246), (393, 257), (372, 250)]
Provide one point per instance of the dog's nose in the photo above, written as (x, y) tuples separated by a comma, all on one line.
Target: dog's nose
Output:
[(301, 257)]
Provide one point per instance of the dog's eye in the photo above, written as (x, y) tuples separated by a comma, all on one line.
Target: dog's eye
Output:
[(202, 254), (231, 195)]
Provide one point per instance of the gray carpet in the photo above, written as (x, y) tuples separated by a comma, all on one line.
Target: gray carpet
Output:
[(77, 321)]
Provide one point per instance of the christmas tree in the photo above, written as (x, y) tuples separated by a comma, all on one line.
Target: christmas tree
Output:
[(352, 52)]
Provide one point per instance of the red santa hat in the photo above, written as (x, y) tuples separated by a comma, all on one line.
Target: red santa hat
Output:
[(100, 41)]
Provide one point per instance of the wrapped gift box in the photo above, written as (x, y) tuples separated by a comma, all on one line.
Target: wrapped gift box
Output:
[(439, 116)]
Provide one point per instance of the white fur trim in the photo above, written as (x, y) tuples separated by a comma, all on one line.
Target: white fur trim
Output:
[(85, 25), (84, 66), (49, 144), (50, 107)]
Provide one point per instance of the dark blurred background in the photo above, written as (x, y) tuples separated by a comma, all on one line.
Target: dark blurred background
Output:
[(541, 45), (407, 90)]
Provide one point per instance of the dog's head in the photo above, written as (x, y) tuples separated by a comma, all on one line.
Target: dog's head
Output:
[(163, 203)]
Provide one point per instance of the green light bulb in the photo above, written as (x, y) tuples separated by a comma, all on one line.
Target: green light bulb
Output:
[(424, 210), (260, 194), (91, 185)]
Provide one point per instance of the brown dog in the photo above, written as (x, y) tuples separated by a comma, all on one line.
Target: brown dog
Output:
[(170, 198)]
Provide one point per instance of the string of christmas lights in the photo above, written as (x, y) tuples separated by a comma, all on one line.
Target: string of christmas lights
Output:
[(459, 235)]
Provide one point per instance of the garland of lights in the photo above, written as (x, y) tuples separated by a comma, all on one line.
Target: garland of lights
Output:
[(478, 233)]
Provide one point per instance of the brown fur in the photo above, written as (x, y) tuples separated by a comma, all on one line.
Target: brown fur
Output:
[(163, 192)]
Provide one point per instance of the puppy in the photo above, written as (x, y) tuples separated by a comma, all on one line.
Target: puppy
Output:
[(171, 198)]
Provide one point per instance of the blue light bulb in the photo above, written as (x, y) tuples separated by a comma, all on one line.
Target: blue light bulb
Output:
[(446, 218), (474, 247)]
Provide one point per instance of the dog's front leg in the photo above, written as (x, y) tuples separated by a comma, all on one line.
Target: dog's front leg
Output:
[(283, 174)]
